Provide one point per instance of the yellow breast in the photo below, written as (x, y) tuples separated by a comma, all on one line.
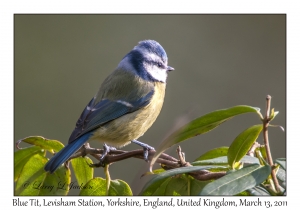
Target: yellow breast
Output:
[(121, 131)]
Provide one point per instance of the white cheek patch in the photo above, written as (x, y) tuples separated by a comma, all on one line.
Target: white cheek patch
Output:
[(153, 70), (157, 73)]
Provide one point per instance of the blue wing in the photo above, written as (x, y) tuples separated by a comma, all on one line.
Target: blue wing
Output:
[(95, 115), (92, 117)]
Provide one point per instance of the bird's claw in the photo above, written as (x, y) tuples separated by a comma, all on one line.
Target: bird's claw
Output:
[(146, 148), (106, 150), (146, 152)]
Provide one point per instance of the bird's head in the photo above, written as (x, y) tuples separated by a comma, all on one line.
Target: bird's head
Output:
[(148, 60)]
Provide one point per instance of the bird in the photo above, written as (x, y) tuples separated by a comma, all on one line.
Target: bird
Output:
[(126, 105)]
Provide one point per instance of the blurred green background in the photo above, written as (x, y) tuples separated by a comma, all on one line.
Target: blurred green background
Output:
[(220, 61)]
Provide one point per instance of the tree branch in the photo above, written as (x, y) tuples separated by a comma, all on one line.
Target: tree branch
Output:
[(166, 161)]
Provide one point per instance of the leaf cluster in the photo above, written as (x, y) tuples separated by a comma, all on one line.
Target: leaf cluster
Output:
[(244, 164)]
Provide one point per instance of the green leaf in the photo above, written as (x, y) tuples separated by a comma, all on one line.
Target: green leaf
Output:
[(282, 186), (248, 160), (32, 176), (157, 188), (214, 153), (22, 156), (224, 161), (196, 186), (119, 187), (244, 193), (184, 185), (262, 160), (242, 144), (50, 145), (94, 187), (83, 172), (159, 179), (281, 162), (180, 185), (57, 183), (281, 175), (201, 125), (215, 161), (33, 179), (261, 154), (238, 181), (263, 151), (258, 191), (97, 187), (273, 114)]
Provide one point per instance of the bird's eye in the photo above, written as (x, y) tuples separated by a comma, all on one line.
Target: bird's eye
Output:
[(159, 64)]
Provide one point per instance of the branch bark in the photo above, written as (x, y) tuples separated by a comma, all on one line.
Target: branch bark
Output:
[(166, 161)]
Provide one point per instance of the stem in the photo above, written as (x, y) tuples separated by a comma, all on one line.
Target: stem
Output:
[(251, 152), (107, 178), (266, 122)]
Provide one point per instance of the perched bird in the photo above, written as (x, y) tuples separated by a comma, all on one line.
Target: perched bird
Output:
[(126, 105)]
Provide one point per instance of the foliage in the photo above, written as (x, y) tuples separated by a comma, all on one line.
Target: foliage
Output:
[(242, 174)]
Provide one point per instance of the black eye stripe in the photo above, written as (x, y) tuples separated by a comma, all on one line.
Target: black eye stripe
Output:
[(159, 64)]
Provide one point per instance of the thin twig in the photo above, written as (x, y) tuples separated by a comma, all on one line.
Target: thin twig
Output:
[(266, 122), (251, 152), (182, 158)]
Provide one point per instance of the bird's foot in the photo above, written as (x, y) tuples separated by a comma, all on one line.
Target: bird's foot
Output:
[(106, 150), (146, 148)]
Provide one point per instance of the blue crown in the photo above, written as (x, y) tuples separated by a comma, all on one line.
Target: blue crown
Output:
[(154, 47)]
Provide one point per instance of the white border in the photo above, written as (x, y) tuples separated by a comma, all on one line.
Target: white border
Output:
[(9, 8)]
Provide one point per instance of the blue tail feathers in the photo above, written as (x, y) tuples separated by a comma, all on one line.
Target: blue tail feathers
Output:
[(64, 154)]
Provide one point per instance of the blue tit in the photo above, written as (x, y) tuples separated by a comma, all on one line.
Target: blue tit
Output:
[(126, 105)]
